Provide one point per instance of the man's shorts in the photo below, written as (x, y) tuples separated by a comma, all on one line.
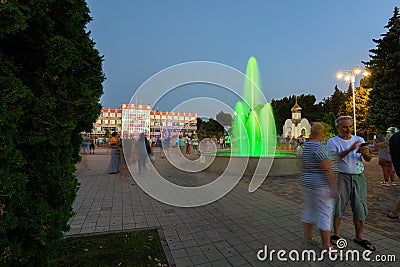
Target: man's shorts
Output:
[(385, 162), (352, 188)]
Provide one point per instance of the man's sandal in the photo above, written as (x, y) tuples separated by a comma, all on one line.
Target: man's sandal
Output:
[(365, 244)]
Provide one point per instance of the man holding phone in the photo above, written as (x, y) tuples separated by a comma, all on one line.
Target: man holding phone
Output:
[(351, 184)]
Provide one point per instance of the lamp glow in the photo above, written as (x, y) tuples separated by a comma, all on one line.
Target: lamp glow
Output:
[(350, 76)]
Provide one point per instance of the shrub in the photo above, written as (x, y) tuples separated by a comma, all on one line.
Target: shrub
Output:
[(50, 85)]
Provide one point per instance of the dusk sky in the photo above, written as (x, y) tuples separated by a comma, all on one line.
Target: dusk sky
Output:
[(299, 45)]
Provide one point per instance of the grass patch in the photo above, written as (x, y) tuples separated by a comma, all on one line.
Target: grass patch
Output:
[(136, 248)]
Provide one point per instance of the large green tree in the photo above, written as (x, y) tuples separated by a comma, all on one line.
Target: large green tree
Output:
[(384, 67), (334, 102), (364, 128), (50, 84)]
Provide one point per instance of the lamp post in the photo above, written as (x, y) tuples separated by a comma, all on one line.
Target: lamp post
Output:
[(350, 76)]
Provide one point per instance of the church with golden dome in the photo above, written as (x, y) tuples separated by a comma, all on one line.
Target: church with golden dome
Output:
[(296, 126)]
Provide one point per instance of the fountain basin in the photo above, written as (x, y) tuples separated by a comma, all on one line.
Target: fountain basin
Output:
[(281, 166)]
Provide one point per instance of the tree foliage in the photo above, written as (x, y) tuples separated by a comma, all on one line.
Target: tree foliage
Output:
[(50, 85), (209, 128), (224, 118), (335, 102), (384, 67), (363, 127)]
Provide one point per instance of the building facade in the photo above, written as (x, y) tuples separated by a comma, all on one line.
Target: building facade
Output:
[(132, 119), (172, 124), (135, 120), (110, 119)]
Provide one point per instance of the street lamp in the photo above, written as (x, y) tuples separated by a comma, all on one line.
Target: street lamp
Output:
[(350, 76)]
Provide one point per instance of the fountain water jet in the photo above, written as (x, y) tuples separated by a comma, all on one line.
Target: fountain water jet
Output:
[(254, 130)]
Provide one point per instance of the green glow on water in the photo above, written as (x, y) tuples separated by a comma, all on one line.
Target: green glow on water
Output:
[(254, 131), (277, 154)]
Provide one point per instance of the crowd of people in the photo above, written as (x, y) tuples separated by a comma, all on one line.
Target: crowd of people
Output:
[(142, 151), (333, 177)]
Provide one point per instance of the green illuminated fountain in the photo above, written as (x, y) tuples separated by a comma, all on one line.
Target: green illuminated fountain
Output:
[(254, 130)]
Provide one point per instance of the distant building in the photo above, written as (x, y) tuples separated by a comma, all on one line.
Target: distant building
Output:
[(133, 119), (167, 124), (296, 126), (110, 119)]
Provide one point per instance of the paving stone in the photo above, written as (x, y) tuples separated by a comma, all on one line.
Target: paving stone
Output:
[(227, 232)]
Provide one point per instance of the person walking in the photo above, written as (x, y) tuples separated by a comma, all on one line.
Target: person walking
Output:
[(143, 151), (92, 145), (394, 148), (228, 141), (181, 143), (221, 142), (195, 143), (114, 144), (319, 187), (385, 161), (188, 142), (352, 187)]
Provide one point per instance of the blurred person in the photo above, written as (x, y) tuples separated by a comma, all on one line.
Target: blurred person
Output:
[(85, 144), (195, 144), (114, 144), (319, 188), (351, 184), (188, 142), (294, 143), (143, 151), (394, 148), (228, 141), (92, 145), (221, 142), (385, 161), (181, 143)]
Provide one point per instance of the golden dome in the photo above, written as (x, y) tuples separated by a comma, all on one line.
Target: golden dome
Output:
[(296, 108)]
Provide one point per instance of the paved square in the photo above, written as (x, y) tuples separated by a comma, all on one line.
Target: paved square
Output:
[(228, 232)]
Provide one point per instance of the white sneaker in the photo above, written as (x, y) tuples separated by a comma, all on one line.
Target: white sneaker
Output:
[(385, 183), (393, 183)]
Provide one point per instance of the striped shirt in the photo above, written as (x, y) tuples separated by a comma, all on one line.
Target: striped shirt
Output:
[(313, 176)]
